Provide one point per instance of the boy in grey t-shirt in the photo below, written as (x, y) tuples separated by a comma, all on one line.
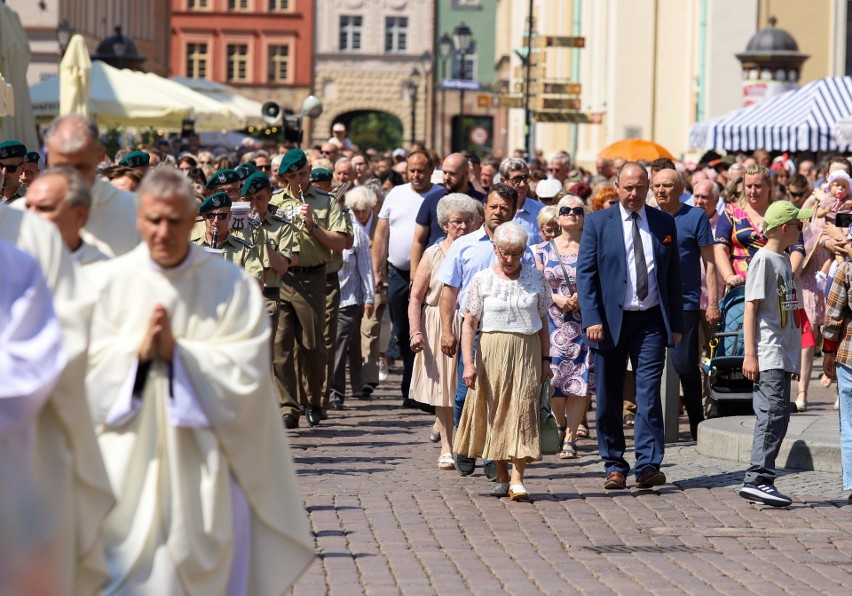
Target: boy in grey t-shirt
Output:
[(772, 332)]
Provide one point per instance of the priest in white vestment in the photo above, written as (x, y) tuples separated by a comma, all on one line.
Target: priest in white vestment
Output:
[(69, 472), (73, 141), (180, 387)]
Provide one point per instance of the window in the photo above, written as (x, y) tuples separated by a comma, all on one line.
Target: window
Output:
[(279, 63), (237, 63), (279, 5), (238, 4), (396, 34), (197, 4), (350, 34), (196, 60)]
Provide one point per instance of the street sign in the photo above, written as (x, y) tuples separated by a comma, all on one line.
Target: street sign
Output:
[(595, 117), (479, 135), (460, 84), (536, 72), (578, 117), (554, 103), (499, 101), (555, 41), (542, 87)]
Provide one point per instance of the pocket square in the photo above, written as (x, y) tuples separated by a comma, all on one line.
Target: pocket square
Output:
[(667, 239)]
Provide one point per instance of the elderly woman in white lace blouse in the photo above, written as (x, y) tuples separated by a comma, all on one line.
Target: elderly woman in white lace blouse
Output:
[(508, 303)]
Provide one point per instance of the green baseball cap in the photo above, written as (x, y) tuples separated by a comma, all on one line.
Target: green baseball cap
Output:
[(782, 212)]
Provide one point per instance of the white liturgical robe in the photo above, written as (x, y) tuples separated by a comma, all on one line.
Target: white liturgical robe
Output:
[(207, 495), (74, 483), (112, 220)]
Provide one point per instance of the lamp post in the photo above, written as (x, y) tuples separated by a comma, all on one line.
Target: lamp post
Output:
[(64, 31), (445, 50), (426, 60), (411, 87), (462, 38)]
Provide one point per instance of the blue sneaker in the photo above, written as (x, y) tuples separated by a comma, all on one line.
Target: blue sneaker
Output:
[(765, 493)]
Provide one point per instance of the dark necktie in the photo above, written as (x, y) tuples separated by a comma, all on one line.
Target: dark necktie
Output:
[(639, 259)]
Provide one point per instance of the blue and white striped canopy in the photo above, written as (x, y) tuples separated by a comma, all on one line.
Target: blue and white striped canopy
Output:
[(802, 119)]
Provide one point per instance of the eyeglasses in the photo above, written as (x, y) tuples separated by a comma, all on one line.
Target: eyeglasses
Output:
[(518, 180), (460, 222), (797, 194), (572, 210), (266, 168), (219, 216), (10, 167), (510, 255)]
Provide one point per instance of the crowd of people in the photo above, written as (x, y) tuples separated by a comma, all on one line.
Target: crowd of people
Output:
[(175, 295)]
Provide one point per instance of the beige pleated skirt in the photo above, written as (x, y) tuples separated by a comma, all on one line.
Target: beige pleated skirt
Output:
[(435, 375), (500, 420)]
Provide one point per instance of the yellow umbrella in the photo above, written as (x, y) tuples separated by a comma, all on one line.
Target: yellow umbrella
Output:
[(75, 78), (635, 150)]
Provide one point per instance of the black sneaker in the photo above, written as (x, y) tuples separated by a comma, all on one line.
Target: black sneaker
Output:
[(490, 469), (765, 493)]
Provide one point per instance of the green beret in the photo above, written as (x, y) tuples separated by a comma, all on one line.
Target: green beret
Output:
[(255, 183), (32, 157), (135, 159), (215, 201), (245, 170), (12, 149), (321, 175), (294, 160), (222, 177)]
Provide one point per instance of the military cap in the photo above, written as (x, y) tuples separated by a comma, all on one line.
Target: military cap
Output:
[(294, 160), (32, 157), (221, 177), (245, 170), (255, 183), (12, 148), (321, 175), (135, 159), (215, 201)]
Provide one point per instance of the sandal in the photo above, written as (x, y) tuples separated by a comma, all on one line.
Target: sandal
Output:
[(517, 492), (561, 431), (802, 401), (445, 462), (569, 450), (582, 431), (629, 419), (434, 436)]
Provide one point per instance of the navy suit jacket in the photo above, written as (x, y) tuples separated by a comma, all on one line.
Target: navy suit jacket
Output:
[(602, 273)]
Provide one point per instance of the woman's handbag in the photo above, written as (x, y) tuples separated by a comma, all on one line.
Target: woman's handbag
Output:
[(549, 435)]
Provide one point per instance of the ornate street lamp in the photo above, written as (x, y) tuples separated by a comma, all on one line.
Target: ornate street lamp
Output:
[(64, 31), (411, 88), (119, 51), (445, 51), (463, 38)]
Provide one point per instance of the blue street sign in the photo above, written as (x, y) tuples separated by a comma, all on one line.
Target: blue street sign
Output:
[(460, 84)]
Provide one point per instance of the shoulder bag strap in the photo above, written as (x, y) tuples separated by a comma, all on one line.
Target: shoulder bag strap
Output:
[(571, 288)]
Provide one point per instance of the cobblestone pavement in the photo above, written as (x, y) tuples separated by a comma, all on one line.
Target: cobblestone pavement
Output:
[(387, 521)]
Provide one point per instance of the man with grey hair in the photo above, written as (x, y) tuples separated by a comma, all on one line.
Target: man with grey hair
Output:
[(343, 171), (179, 378), (62, 196), (559, 167), (515, 172), (74, 141)]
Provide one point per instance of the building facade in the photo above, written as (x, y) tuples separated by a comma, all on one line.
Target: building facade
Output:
[(146, 22), (651, 68), (370, 63), (263, 48)]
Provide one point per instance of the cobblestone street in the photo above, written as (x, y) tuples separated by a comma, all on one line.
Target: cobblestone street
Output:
[(387, 521)]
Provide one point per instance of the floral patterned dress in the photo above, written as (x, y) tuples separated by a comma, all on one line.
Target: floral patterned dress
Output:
[(573, 364)]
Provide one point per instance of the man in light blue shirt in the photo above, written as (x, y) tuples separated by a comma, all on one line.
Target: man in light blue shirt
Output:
[(466, 257), (515, 172)]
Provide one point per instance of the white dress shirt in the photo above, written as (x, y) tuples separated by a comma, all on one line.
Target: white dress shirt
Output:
[(631, 300)]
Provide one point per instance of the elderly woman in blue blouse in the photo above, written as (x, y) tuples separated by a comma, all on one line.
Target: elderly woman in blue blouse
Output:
[(508, 304)]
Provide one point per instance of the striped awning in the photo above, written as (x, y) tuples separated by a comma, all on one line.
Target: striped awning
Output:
[(843, 131), (803, 119)]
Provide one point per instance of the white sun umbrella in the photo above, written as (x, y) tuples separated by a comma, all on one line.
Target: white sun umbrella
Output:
[(14, 62), (75, 78), (117, 98), (208, 113), (247, 108)]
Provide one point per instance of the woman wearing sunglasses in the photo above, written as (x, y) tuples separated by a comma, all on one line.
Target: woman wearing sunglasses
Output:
[(572, 362)]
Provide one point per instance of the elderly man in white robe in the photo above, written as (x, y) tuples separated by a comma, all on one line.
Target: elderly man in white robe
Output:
[(180, 387), (70, 473)]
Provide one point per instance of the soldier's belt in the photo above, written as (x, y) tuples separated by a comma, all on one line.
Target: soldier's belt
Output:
[(314, 269)]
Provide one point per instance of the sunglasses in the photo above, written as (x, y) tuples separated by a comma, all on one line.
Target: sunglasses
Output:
[(797, 194), (569, 210), (10, 167), (266, 168), (219, 216), (518, 180)]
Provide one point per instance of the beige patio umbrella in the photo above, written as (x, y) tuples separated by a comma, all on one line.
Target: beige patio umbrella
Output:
[(14, 61), (75, 78), (7, 98)]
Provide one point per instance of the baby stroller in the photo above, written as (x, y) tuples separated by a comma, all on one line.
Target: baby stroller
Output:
[(730, 392)]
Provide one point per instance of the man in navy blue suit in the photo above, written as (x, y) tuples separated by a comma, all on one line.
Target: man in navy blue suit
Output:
[(629, 287)]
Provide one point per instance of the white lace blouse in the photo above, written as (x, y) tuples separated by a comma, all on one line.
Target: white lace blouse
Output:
[(508, 306)]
